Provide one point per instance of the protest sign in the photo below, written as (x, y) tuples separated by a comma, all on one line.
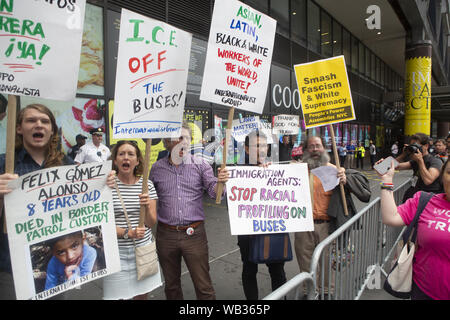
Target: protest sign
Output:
[(286, 124), (52, 211), (40, 45), (326, 97), (238, 58), (269, 200), (151, 77), (243, 126), (324, 92)]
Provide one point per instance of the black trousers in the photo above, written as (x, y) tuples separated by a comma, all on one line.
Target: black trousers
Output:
[(373, 159), (360, 161), (342, 161), (250, 269)]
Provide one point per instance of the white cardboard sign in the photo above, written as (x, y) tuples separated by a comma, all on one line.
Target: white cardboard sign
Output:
[(286, 124), (238, 58), (275, 199), (53, 218), (40, 45), (242, 127), (151, 78)]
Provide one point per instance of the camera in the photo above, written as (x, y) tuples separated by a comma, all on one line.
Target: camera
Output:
[(413, 148)]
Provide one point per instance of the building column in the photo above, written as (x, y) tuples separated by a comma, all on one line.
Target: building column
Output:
[(418, 88)]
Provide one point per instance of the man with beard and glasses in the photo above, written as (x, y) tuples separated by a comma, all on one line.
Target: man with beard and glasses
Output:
[(328, 212)]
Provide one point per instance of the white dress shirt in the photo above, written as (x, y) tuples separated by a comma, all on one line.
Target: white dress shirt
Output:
[(90, 153)]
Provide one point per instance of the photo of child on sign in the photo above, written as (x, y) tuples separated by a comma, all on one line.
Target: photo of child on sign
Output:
[(66, 258)]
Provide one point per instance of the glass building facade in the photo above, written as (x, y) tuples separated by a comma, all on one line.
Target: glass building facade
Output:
[(305, 32)]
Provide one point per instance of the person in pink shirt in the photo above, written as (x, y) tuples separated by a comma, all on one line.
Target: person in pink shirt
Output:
[(431, 265)]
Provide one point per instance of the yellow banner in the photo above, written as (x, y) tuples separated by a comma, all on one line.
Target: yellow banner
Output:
[(324, 92), (418, 96)]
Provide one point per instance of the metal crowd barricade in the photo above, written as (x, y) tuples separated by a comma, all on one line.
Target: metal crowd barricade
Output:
[(343, 264)]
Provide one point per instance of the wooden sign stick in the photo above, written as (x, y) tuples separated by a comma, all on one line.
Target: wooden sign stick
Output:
[(336, 157), (220, 185), (10, 142), (11, 134), (148, 145)]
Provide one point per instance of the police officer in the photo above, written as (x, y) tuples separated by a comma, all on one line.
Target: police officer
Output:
[(95, 150)]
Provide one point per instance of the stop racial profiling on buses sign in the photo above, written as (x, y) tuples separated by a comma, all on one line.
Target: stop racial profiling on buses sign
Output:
[(324, 92)]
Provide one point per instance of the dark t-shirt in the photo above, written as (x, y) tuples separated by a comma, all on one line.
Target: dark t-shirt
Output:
[(430, 162), (73, 153)]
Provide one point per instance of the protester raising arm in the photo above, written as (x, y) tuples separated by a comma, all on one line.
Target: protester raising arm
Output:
[(389, 213), (431, 263)]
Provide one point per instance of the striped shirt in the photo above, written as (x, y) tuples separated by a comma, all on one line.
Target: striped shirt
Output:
[(180, 189), (130, 195)]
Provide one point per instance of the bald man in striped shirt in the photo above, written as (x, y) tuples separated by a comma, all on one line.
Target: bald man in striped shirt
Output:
[(180, 179)]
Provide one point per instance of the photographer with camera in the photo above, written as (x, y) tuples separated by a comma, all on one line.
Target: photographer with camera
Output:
[(427, 168)]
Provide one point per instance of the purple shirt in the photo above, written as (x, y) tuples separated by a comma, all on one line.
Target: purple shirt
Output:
[(180, 189)]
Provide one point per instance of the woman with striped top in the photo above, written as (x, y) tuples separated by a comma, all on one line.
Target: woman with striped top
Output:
[(128, 163)]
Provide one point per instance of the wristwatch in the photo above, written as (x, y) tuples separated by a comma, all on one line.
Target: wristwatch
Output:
[(125, 235)]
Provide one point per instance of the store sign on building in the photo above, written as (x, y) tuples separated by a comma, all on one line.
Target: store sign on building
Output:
[(418, 95), (285, 97)]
